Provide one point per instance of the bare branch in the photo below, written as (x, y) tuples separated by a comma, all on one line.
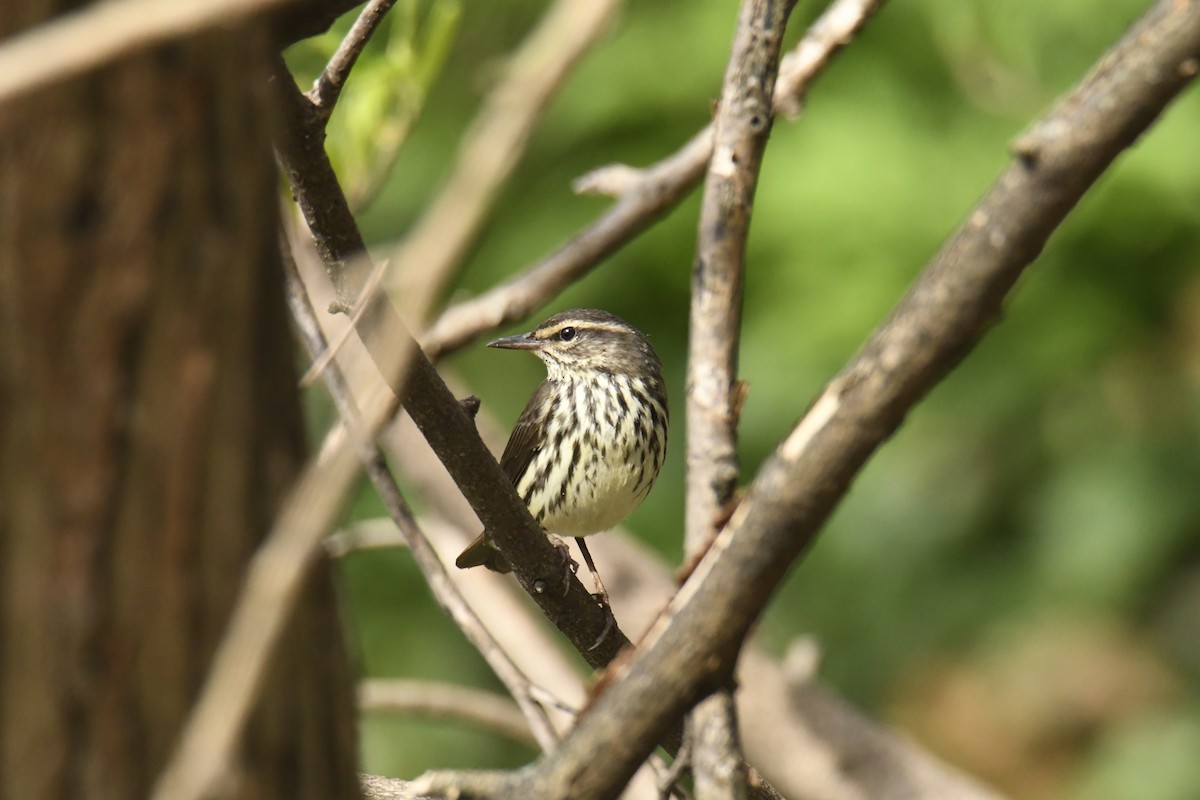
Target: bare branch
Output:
[(377, 787), (742, 126), (441, 700), (949, 308), (826, 37), (741, 129), (328, 87), (716, 750), (379, 533), (301, 148), (443, 589), (78, 41), (448, 429), (645, 196), (322, 360), (802, 738), (814, 745), (424, 265), (665, 185)]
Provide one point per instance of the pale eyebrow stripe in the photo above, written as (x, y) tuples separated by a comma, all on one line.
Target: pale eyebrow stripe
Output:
[(608, 327)]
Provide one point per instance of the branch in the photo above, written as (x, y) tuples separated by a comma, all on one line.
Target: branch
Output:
[(423, 266), (951, 305), (646, 196), (378, 533), (807, 742), (377, 787), (78, 41), (425, 262), (443, 589), (328, 87), (537, 565), (741, 128), (826, 37), (816, 746), (440, 700)]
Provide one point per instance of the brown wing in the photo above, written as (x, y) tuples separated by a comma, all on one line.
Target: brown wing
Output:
[(528, 436)]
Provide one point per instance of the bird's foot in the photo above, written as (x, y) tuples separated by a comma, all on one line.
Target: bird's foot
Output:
[(610, 619), (570, 567)]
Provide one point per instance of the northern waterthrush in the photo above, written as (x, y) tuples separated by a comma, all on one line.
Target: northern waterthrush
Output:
[(589, 445)]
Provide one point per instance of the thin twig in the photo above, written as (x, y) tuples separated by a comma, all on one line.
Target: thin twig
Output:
[(487, 710), (826, 37), (379, 533), (646, 196), (665, 185), (323, 359), (668, 776), (328, 86), (443, 589), (77, 41)]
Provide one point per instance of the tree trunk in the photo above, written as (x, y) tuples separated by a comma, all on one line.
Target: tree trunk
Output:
[(149, 425)]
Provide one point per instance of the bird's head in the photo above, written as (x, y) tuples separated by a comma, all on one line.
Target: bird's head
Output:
[(586, 340)]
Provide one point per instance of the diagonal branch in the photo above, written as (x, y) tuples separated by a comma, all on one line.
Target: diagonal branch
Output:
[(443, 589), (425, 263), (805, 740), (644, 198), (954, 301), (538, 566), (77, 41)]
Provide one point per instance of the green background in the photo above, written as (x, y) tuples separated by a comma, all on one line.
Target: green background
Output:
[(1015, 577)]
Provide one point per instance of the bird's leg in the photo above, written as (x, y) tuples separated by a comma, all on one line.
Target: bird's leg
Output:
[(569, 565), (601, 594)]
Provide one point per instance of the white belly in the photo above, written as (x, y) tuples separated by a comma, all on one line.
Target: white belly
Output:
[(606, 497), (618, 459)]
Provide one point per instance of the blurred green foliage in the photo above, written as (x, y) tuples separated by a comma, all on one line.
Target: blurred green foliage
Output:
[(1054, 477)]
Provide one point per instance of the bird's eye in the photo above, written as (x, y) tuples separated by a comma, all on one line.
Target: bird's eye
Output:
[(566, 334)]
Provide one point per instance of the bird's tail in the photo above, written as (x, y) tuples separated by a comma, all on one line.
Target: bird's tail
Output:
[(482, 553)]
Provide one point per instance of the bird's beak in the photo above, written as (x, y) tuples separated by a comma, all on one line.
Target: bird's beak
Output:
[(522, 341)]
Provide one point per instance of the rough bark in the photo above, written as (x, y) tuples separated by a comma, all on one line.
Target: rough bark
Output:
[(149, 425)]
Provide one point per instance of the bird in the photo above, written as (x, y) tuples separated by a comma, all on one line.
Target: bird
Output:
[(592, 439)]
